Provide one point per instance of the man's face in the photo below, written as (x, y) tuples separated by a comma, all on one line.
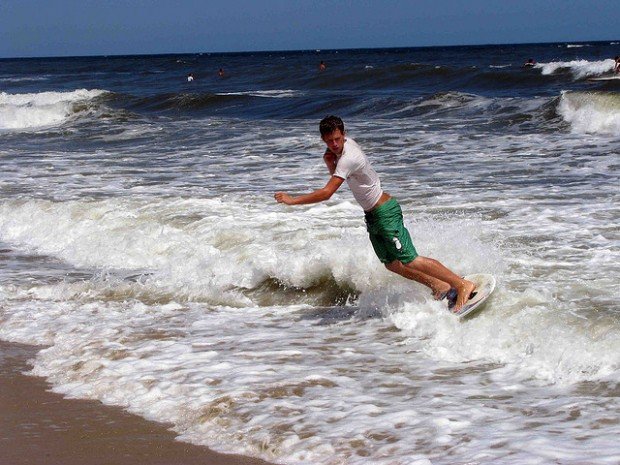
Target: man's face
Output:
[(334, 141)]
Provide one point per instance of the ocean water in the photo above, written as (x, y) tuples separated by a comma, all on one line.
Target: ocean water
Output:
[(142, 249)]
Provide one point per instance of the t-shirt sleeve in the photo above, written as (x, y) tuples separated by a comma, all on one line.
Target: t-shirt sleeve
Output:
[(346, 166)]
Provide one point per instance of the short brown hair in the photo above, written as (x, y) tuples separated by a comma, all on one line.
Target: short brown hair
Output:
[(329, 124)]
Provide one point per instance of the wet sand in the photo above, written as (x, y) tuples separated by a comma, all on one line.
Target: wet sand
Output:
[(38, 427)]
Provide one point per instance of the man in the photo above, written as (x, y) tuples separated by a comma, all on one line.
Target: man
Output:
[(390, 239)]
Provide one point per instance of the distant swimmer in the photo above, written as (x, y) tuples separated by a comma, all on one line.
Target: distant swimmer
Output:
[(190, 77), (322, 66), (617, 65), (345, 160), (529, 63), (220, 73)]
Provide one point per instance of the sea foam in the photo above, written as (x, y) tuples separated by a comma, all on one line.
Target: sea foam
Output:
[(43, 109), (580, 69), (591, 112)]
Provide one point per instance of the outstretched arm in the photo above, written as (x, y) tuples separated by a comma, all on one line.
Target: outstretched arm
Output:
[(318, 195)]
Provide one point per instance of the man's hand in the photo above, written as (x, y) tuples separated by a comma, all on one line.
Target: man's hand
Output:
[(283, 197)]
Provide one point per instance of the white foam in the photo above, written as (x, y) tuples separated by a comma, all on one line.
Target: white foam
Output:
[(24, 79), (275, 93), (148, 301), (581, 69), (591, 112), (242, 250), (126, 235), (43, 109), (561, 354), (352, 393)]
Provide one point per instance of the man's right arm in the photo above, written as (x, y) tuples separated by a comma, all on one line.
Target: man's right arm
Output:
[(316, 196)]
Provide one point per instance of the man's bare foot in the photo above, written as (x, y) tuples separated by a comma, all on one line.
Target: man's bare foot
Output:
[(464, 293)]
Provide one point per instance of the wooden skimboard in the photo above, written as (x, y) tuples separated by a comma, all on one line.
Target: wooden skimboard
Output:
[(485, 283)]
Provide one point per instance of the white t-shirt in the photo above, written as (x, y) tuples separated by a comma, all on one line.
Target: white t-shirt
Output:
[(362, 179)]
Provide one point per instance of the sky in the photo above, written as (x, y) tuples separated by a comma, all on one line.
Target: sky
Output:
[(39, 28)]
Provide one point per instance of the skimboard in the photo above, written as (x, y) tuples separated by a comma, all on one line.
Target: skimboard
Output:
[(485, 283)]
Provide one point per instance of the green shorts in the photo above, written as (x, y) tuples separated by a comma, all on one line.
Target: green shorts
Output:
[(388, 234)]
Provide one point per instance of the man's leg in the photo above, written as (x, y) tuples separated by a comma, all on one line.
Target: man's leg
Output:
[(433, 274), (438, 286)]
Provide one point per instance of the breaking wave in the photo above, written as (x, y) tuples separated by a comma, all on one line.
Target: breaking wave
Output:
[(579, 69), (591, 112), (44, 109)]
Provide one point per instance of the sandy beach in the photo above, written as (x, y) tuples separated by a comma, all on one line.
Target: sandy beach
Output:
[(40, 427)]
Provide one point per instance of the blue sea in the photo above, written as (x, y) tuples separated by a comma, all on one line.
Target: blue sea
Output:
[(142, 251)]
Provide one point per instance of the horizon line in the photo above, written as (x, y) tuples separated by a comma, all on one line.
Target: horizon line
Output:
[(315, 50)]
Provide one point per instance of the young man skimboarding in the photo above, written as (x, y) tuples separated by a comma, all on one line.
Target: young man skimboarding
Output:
[(390, 239)]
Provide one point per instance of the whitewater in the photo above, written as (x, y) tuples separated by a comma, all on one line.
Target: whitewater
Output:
[(144, 255)]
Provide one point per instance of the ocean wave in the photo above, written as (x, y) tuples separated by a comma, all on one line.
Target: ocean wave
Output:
[(15, 79), (580, 69), (517, 347), (212, 370), (367, 77), (218, 253), (276, 93), (443, 101), (44, 109), (491, 112), (507, 78), (591, 112), (197, 102), (166, 329), (166, 258)]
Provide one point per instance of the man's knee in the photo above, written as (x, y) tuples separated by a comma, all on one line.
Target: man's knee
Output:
[(419, 262), (395, 267)]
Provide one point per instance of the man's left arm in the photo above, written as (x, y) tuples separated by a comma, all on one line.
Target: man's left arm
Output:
[(330, 161)]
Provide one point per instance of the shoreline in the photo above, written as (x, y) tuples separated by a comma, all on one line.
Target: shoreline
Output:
[(42, 427)]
